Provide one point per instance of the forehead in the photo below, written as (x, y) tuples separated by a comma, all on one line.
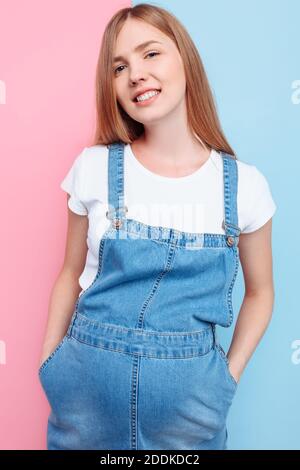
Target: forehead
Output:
[(134, 29), (136, 34)]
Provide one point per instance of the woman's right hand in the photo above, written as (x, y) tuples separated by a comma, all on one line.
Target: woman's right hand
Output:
[(47, 350), (44, 356)]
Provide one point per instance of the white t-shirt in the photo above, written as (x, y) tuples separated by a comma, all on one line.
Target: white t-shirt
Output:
[(192, 203)]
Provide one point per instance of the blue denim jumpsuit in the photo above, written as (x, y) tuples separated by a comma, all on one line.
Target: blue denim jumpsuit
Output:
[(140, 366)]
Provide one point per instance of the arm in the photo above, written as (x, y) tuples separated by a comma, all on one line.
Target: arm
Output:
[(66, 288), (255, 314)]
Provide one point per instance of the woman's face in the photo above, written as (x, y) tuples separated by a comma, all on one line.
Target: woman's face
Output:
[(155, 66)]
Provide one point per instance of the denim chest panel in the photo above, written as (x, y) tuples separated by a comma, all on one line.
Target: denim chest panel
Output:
[(158, 278)]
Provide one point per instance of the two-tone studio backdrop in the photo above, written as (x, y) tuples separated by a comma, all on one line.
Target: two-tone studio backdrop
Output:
[(48, 53)]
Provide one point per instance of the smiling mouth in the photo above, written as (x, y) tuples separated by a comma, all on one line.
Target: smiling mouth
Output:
[(136, 100)]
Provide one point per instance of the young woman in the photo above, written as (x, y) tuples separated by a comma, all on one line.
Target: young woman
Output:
[(167, 212)]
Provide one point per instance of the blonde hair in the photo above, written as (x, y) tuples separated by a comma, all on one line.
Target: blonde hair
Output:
[(114, 124)]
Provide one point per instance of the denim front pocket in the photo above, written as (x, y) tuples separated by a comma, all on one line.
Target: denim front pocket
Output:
[(51, 356), (226, 363)]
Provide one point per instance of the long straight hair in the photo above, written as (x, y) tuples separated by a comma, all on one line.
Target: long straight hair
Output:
[(114, 124)]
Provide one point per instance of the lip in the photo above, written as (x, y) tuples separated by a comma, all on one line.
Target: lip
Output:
[(148, 101), (141, 92)]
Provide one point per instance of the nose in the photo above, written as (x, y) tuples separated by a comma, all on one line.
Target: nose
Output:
[(136, 76)]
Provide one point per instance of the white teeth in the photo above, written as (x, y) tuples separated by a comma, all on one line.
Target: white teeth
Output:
[(147, 95)]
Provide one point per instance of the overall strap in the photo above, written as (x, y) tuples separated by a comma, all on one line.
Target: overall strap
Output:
[(230, 223), (116, 208)]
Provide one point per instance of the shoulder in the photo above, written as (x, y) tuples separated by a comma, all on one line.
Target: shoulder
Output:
[(92, 161), (249, 175), (255, 200), (251, 178), (94, 154), (94, 172)]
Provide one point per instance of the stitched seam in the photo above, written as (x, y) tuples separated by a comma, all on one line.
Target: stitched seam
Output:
[(139, 354), (147, 332), (44, 364), (230, 288)]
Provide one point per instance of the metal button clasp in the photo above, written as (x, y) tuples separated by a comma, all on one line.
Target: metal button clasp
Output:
[(230, 241), (117, 223)]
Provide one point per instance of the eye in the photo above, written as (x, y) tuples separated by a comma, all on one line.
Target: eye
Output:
[(152, 52), (116, 70)]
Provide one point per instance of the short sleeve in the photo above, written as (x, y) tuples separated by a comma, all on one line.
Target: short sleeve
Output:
[(262, 206), (73, 183)]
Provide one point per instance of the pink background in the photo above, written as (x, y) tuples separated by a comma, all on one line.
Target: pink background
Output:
[(48, 55)]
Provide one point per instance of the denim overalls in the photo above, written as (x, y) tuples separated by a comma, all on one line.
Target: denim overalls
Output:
[(140, 366)]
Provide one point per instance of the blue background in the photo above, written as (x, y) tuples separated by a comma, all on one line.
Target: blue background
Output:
[(251, 53)]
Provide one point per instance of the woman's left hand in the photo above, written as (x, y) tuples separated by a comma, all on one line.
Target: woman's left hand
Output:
[(235, 372)]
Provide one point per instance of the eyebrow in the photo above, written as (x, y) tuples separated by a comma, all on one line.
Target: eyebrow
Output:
[(137, 49)]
